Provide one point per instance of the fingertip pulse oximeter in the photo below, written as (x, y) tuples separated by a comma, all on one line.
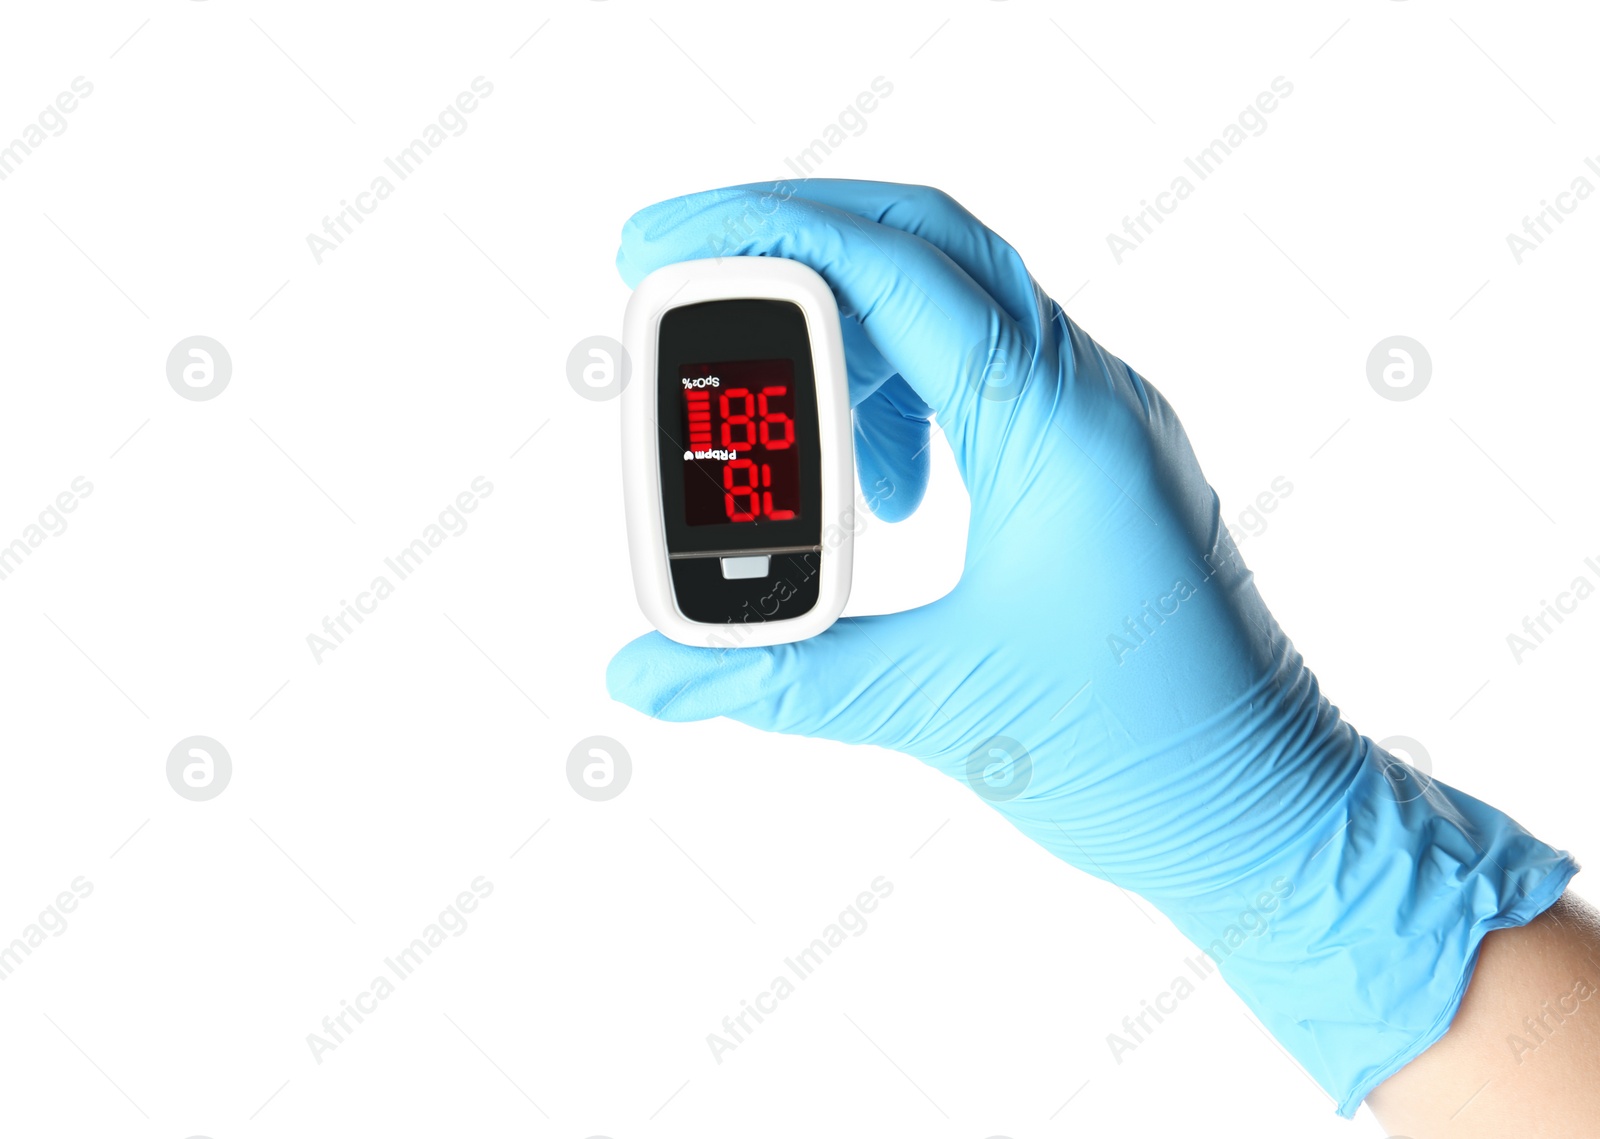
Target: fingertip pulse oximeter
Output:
[(737, 453)]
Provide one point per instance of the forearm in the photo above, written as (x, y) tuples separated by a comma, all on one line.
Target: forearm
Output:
[(1523, 1053)]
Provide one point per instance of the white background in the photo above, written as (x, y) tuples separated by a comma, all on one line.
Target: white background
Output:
[(369, 390)]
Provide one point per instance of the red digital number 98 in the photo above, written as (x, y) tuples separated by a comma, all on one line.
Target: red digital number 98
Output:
[(751, 498)]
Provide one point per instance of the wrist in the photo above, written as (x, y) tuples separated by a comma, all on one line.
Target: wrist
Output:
[(1366, 926)]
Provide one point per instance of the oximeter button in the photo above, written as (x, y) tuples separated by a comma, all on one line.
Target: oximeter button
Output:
[(739, 569)]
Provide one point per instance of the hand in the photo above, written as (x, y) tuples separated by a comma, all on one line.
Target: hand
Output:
[(1105, 673)]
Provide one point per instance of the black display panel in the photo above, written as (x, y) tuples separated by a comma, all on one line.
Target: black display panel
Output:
[(789, 590), (740, 460)]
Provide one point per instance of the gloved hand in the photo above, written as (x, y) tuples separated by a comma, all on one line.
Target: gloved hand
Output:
[(1105, 673)]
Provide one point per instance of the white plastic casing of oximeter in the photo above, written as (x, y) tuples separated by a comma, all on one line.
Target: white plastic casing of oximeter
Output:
[(734, 278)]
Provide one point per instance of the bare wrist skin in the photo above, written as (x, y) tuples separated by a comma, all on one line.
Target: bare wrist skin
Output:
[(1522, 1056)]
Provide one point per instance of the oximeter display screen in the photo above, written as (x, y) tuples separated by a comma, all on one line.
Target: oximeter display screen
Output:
[(741, 461)]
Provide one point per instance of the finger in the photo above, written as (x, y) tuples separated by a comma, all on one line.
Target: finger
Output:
[(844, 684), (891, 430), (868, 370), (921, 311), (893, 439), (942, 222)]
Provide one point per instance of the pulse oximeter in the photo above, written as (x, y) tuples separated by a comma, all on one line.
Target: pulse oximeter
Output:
[(738, 470)]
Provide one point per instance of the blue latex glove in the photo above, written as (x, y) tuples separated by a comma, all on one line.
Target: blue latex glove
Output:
[(1105, 673)]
